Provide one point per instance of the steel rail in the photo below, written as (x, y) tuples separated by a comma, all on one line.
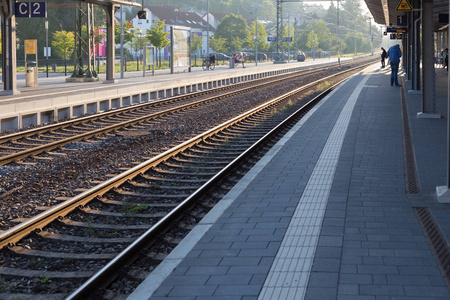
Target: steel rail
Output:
[(57, 144), (103, 276), (46, 128), (14, 234)]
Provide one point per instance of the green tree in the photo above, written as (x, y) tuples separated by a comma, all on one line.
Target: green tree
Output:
[(262, 37), (218, 44), (64, 42), (127, 33), (313, 40), (158, 37), (196, 43), (234, 30), (138, 41)]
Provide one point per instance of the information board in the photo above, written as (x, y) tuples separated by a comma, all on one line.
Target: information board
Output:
[(180, 38)]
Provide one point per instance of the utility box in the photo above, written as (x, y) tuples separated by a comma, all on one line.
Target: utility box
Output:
[(231, 62), (31, 78)]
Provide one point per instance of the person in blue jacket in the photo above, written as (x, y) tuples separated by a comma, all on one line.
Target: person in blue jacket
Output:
[(394, 53)]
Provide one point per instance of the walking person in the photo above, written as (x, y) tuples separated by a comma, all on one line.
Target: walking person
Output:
[(394, 53), (383, 57)]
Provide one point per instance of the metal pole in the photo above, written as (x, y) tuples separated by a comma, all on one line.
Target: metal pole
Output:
[(448, 122), (207, 29), (314, 41), (256, 36), (338, 32), (371, 36), (121, 41), (46, 44), (289, 35)]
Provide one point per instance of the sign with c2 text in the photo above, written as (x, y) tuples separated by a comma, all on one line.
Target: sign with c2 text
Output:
[(31, 9)]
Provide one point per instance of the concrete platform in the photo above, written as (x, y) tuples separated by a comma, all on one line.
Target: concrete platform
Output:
[(55, 99), (325, 214)]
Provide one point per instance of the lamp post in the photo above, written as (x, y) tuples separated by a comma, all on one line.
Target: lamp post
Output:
[(46, 44)]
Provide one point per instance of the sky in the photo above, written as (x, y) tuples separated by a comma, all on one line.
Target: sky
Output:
[(326, 4)]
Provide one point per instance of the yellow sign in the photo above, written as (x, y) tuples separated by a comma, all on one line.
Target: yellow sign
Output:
[(30, 47), (404, 5)]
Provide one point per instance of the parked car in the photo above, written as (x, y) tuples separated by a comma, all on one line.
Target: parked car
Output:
[(261, 56), (301, 56), (221, 56)]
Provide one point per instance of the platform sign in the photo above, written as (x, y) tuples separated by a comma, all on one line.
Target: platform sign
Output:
[(401, 21), (404, 5), (271, 38), (30, 9), (30, 47), (443, 18), (396, 36), (397, 29)]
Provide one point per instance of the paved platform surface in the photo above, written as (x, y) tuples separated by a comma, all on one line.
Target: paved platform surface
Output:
[(325, 214)]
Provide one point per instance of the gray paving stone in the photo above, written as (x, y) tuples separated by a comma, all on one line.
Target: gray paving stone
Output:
[(193, 291), (326, 264), (323, 279), (240, 261), (243, 290), (219, 253), (251, 245), (348, 289), (204, 261), (253, 270), (215, 297), (382, 290), (229, 280), (219, 244), (321, 293), (359, 297), (187, 280), (197, 270)]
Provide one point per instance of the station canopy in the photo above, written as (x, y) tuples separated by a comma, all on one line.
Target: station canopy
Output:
[(384, 11)]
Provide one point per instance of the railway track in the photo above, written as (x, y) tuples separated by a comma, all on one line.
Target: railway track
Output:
[(44, 142), (107, 226)]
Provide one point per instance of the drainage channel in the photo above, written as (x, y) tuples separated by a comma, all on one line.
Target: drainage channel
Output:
[(436, 240)]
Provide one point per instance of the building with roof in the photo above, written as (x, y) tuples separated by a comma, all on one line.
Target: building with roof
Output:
[(173, 17)]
